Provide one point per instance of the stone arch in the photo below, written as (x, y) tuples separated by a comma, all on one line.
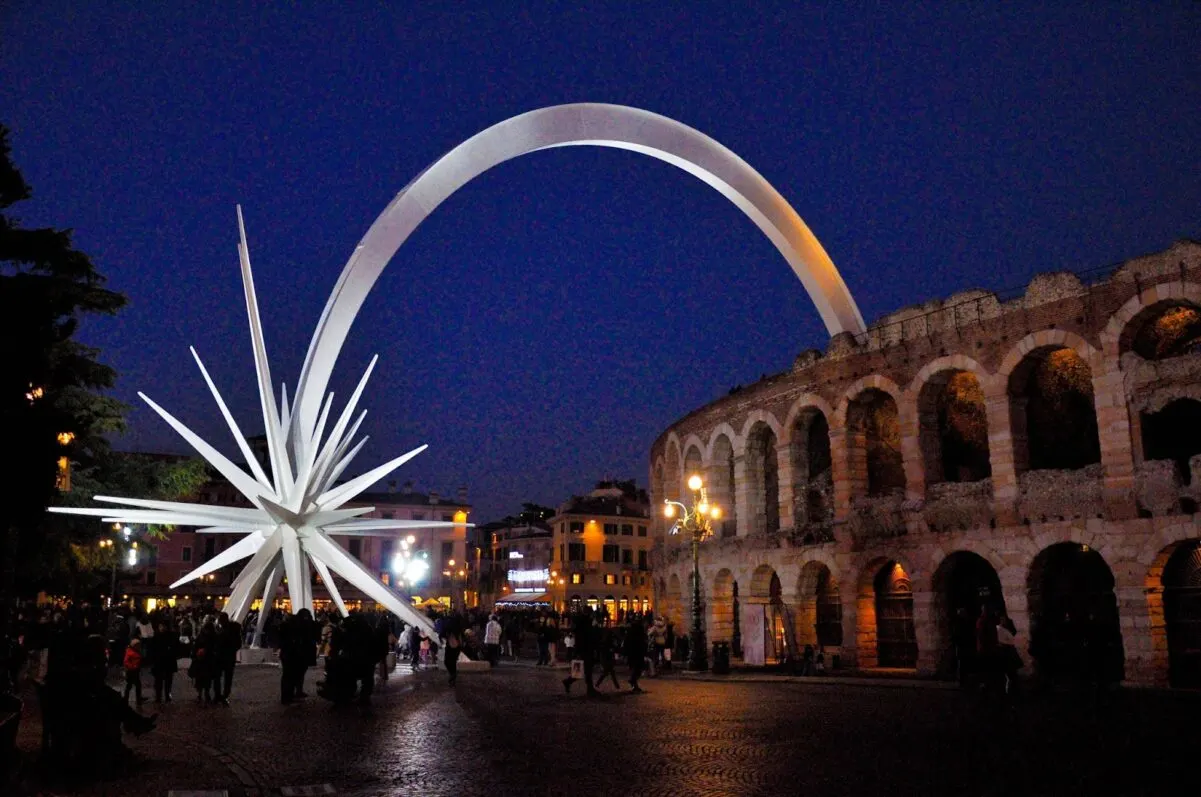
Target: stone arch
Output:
[(1173, 590), (1075, 631), (721, 607), (722, 430), (694, 459), (763, 478), (721, 482), (1052, 409), (819, 606), (809, 453), (952, 419), (805, 403), (761, 584), (1119, 326), (592, 124), (964, 584), (872, 424), (1044, 338), (694, 441), (886, 635)]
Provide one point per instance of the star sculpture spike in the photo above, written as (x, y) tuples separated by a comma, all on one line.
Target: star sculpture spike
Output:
[(296, 506)]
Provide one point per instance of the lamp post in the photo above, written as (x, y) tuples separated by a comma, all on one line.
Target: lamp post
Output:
[(695, 522)]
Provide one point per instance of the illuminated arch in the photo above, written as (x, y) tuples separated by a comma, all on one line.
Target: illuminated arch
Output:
[(592, 124)]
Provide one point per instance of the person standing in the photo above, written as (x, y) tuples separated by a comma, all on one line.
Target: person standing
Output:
[(492, 640), (229, 642), (453, 648), (635, 651), (204, 664), (133, 669), (545, 637), (164, 661)]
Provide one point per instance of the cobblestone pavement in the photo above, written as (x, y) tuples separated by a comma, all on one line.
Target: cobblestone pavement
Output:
[(514, 731)]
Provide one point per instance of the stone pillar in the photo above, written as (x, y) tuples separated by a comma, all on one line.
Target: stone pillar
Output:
[(840, 470), (784, 485), (911, 451), (742, 495), (1001, 456), (849, 653), (1113, 428), (925, 627)]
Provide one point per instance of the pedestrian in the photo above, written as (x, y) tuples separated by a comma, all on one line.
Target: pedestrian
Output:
[(297, 652), (204, 664), (963, 639), (164, 661), (492, 640), (1008, 658), (133, 670), (387, 643), (451, 657), (229, 642), (584, 648), (545, 637), (635, 650), (606, 655)]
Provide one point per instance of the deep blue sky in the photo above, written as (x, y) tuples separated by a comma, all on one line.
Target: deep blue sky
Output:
[(553, 317)]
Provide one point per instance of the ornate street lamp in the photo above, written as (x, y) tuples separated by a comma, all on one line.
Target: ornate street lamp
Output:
[(694, 522)]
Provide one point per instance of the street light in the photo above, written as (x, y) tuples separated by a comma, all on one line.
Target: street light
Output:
[(695, 523)]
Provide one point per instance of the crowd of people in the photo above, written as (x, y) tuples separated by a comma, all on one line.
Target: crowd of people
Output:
[(88, 664)]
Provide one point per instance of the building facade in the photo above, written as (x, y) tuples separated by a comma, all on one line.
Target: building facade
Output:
[(600, 554), (1034, 454)]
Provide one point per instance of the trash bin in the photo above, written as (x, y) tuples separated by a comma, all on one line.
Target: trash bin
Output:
[(721, 658)]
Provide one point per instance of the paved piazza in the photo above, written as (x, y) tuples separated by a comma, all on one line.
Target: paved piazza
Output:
[(515, 732)]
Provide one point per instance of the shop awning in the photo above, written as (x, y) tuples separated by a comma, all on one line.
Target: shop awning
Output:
[(525, 597)]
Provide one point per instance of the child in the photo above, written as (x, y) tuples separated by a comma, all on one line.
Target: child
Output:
[(133, 669)]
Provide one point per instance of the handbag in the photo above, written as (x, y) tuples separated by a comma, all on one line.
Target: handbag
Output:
[(577, 668), (666, 654)]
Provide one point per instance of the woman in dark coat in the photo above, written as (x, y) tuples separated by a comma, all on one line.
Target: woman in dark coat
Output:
[(204, 662), (164, 660)]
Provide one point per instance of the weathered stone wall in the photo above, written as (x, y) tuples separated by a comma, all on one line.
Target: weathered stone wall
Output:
[(1131, 515)]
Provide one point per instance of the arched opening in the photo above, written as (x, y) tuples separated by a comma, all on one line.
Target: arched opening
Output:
[(819, 613), (721, 607), (896, 637), (812, 477), (721, 485), (874, 445), (1053, 418), (762, 470), (965, 586), (953, 428), (1182, 615), (1163, 330), (1173, 433), (675, 605), (693, 462), (1074, 630)]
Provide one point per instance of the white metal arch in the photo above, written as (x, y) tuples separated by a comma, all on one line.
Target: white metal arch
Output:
[(592, 124)]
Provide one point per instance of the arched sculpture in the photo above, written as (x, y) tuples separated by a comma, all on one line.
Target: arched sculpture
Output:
[(298, 505)]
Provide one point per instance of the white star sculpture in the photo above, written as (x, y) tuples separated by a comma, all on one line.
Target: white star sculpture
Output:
[(295, 509)]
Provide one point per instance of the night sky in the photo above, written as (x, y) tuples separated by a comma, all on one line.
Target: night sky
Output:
[(554, 316)]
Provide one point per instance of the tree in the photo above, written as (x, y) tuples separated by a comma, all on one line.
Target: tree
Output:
[(49, 383)]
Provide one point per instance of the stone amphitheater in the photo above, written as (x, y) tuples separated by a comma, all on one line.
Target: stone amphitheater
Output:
[(1038, 455)]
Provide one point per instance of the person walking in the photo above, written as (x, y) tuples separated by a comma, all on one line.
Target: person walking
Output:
[(492, 633), (386, 640), (164, 661), (545, 637), (606, 655), (635, 650), (133, 670), (1009, 661), (229, 642), (584, 652)]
